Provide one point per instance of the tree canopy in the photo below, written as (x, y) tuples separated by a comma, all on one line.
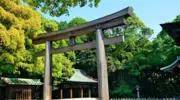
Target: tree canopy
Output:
[(59, 7), (18, 25), (17, 22)]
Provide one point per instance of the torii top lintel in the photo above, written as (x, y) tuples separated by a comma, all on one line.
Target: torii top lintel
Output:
[(113, 20)]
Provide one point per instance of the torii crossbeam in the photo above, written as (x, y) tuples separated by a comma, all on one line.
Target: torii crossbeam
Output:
[(98, 25)]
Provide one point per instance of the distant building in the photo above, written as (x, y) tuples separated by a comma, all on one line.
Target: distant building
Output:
[(80, 85), (173, 68), (19, 88), (173, 29)]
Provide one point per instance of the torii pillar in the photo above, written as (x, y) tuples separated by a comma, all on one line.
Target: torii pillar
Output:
[(47, 87), (101, 67)]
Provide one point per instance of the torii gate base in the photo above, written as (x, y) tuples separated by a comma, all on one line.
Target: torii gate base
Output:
[(113, 20)]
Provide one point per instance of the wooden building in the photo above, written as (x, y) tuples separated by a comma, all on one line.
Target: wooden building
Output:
[(18, 88), (80, 85), (173, 30)]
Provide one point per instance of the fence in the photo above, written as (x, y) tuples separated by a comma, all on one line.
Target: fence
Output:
[(81, 99), (122, 99), (144, 99), (113, 99)]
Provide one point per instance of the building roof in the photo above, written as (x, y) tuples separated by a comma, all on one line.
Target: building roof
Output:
[(81, 76), (171, 66), (19, 81), (173, 29)]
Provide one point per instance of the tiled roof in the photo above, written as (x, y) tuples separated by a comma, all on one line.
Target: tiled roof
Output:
[(169, 66), (81, 76), (20, 81)]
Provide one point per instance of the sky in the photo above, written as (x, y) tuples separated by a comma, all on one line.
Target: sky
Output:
[(151, 12)]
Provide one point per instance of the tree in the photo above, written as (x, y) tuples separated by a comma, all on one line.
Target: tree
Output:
[(18, 25), (61, 65), (123, 91), (145, 64), (59, 7), (83, 59), (122, 57), (164, 52)]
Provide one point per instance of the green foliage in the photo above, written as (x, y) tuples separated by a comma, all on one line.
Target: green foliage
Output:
[(177, 18), (148, 58), (62, 25), (18, 25), (76, 21), (163, 52), (137, 41), (80, 39), (123, 91), (59, 7), (129, 57), (85, 58), (16, 22), (49, 25), (62, 68)]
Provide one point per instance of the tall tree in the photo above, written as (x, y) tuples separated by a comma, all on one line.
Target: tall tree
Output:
[(18, 25), (121, 56), (164, 52), (148, 59)]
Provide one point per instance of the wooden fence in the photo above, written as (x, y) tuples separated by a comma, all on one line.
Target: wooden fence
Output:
[(79, 99), (121, 99), (144, 99), (111, 99)]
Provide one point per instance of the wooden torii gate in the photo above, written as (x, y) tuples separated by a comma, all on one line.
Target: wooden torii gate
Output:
[(98, 25)]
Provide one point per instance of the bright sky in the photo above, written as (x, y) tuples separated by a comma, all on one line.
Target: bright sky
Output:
[(151, 12)]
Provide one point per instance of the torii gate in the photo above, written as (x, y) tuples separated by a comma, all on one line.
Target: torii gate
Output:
[(98, 25)]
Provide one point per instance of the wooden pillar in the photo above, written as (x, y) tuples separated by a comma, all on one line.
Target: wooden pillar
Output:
[(61, 93), (103, 89), (29, 94), (23, 93), (89, 92), (7, 92), (71, 93), (47, 87), (10, 91), (81, 92)]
